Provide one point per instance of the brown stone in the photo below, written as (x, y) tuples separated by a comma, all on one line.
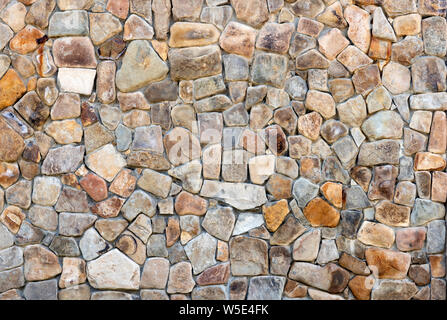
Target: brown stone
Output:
[(214, 275), (353, 58), (311, 59), (310, 168), (309, 27), (379, 49), (187, 203), (188, 34), (382, 186), (12, 88), (439, 186), (420, 274), (181, 146), (109, 208), (321, 214), (119, 8), (236, 34), (25, 41), (112, 48), (294, 289), (74, 52), (388, 264), (40, 263), (88, 115), (428, 161), (410, 239), (309, 8), (361, 287), (275, 139), (321, 102), (279, 186), (366, 79), (408, 25), (248, 256), (73, 272), (275, 214), (354, 264), (361, 175), (172, 232), (332, 43)]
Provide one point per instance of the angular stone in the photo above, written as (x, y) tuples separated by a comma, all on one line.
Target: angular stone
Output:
[(433, 30), (74, 224), (359, 26), (248, 256), (11, 148), (381, 28), (219, 223), (239, 195), (113, 270), (388, 264), (311, 59), (154, 70), (406, 50), (353, 111), (69, 23), (246, 222), (72, 200), (394, 290), (180, 278), (65, 247), (392, 214), (353, 264), (330, 278), (275, 37), (76, 80), (162, 13), (306, 247), (201, 252), (379, 152), (253, 12), (73, 272), (39, 12), (309, 8), (266, 287), (40, 263), (103, 26), (353, 58), (309, 125), (436, 236), (309, 27), (263, 71), (219, 16)]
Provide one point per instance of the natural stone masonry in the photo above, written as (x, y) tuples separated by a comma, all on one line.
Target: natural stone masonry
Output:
[(215, 149)]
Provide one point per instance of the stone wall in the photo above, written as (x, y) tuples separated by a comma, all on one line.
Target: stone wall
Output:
[(223, 149)]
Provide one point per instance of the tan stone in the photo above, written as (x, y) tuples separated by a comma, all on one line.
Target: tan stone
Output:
[(332, 43), (410, 239), (309, 125), (359, 27), (253, 12), (73, 272), (40, 263), (65, 132), (426, 161), (236, 33), (12, 217), (408, 25), (438, 134), (187, 203), (321, 102), (361, 287), (189, 34), (333, 192), (392, 214), (376, 234), (309, 27)]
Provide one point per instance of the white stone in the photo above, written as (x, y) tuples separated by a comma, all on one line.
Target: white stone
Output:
[(76, 80)]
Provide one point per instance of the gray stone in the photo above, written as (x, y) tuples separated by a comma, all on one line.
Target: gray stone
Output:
[(429, 101), (209, 293), (139, 202), (132, 74), (63, 160), (296, 87), (68, 23), (425, 211), (383, 125), (72, 200), (436, 236), (92, 245), (65, 246), (201, 252), (269, 69), (219, 16), (41, 290), (266, 288), (236, 116), (236, 68), (247, 221), (28, 234), (156, 246), (356, 198), (346, 150), (75, 224), (304, 191), (11, 258), (6, 237), (12, 279), (219, 223), (123, 138), (248, 256), (379, 152), (328, 252)]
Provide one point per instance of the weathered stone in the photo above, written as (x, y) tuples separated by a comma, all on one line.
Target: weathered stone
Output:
[(379, 152), (103, 26), (353, 111), (106, 162), (25, 40), (248, 256), (65, 247), (153, 70), (253, 12), (388, 264), (104, 273), (330, 278), (407, 25), (376, 234), (187, 203), (40, 263), (188, 34), (308, 9), (263, 71), (309, 27), (394, 290), (266, 287), (320, 213), (307, 246), (281, 33), (69, 23), (75, 224)]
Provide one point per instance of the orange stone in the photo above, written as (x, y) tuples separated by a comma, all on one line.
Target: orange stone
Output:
[(119, 8), (380, 49), (26, 40), (12, 89), (109, 208), (361, 287), (321, 214), (388, 264), (275, 214), (12, 217), (333, 192), (187, 203), (426, 161), (161, 48), (222, 251)]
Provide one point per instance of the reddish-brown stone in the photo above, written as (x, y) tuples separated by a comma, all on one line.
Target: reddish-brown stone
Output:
[(428, 161), (439, 186), (388, 264), (12, 217), (26, 40), (279, 186), (214, 275), (333, 192), (438, 133), (124, 183), (172, 232), (95, 186), (410, 239), (361, 287)]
